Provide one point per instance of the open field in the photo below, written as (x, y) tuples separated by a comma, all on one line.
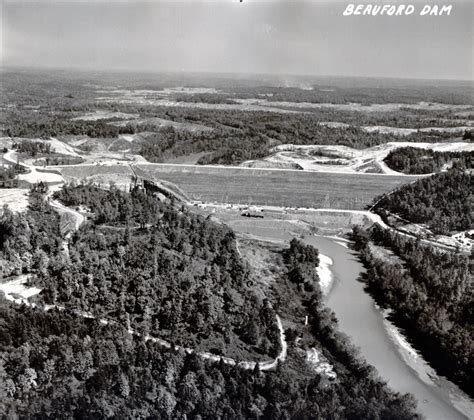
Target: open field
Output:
[(15, 198), (277, 187)]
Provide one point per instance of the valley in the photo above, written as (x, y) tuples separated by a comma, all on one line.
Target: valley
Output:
[(168, 217)]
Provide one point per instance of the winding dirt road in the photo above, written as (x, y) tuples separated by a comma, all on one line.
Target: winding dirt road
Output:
[(18, 292)]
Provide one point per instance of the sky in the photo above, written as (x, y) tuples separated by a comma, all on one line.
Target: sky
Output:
[(255, 36)]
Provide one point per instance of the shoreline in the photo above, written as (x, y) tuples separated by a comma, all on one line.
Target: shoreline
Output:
[(325, 274), (426, 373)]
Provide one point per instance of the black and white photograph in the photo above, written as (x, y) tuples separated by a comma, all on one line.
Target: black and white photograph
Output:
[(237, 209)]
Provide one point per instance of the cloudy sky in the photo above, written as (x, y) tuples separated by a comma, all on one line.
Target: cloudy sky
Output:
[(259, 36)]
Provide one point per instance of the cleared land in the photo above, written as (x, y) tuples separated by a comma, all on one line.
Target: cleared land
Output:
[(15, 198), (121, 175), (277, 187), (333, 158)]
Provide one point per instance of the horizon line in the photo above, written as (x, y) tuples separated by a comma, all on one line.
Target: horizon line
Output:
[(228, 73)]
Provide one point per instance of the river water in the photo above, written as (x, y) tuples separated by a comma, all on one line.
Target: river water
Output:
[(380, 343)]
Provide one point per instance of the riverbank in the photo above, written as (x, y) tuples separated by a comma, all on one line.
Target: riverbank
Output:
[(359, 318), (325, 273), (425, 372), (383, 347), (364, 323)]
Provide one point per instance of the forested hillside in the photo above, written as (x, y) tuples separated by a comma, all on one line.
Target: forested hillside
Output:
[(59, 365), (432, 295), (412, 160), (143, 263), (160, 270), (443, 202)]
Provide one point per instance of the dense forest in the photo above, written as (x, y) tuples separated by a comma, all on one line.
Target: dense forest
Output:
[(224, 147), (432, 296), (55, 364), (156, 268), (412, 160), (443, 201), (145, 264)]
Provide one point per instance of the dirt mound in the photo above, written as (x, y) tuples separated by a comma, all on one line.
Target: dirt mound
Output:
[(269, 164)]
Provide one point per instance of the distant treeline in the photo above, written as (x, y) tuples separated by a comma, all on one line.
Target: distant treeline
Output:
[(333, 94), (412, 160), (209, 98), (45, 126), (55, 85)]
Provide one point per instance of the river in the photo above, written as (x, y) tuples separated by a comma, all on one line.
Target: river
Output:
[(380, 343)]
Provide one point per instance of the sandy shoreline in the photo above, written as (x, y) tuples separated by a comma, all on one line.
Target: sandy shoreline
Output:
[(424, 371), (325, 273)]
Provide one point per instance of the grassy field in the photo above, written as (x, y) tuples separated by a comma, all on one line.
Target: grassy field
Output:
[(279, 188)]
